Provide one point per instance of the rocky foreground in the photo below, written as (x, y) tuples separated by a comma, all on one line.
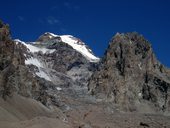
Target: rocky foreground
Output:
[(57, 82)]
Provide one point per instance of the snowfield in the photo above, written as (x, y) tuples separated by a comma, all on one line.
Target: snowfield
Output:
[(78, 45), (75, 43), (34, 49), (34, 61)]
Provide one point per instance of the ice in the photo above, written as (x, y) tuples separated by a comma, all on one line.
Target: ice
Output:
[(80, 47), (35, 49), (58, 88), (42, 74), (39, 65), (52, 34), (34, 62), (70, 40)]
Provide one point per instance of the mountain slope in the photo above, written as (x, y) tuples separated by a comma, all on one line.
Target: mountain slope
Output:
[(62, 55), (45, 84), (74, 42), (43, 70), (131, 76)]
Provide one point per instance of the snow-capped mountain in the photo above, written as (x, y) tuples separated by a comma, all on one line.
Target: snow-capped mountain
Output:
[(57, 81), (74, 42), (46, 54), (66, 62)]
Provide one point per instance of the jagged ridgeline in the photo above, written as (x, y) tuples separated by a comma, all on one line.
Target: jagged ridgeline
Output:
[(57, 81), (131, 76), (41, 69)]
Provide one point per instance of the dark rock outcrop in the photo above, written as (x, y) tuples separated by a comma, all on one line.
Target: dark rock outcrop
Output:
[(15, 78), (131, 76)]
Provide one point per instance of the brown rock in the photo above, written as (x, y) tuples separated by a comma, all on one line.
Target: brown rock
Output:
[(130, 75)]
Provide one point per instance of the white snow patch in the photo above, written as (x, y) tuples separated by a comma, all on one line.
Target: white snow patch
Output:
[(70, 40), (65, 120), (16, 43), (80, 47), (35, 49), (58, 88), (130, 42), (33, 61), (42, 74), (52, 34), (139, 65), (37, 63), (140, 94)]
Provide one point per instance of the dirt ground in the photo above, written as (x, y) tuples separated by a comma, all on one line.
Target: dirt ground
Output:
[(20, 112)]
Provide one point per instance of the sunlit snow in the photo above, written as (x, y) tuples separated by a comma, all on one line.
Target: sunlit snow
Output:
[(78, 46), (33, 61), (58, 88), (70, 40), (39, 65), (42, 74), (34, 49)]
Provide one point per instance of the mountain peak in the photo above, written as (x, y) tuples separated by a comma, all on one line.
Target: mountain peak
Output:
[(47, 36), (51, 80), (72, 41), (130, 70), (51, 34)]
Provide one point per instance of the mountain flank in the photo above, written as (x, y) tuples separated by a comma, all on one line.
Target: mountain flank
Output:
[(58, 82)]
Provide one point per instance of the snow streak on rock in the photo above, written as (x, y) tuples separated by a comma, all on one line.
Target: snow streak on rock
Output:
[(78, 45)]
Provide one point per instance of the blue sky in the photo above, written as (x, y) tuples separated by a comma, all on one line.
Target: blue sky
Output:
[(93, 21)]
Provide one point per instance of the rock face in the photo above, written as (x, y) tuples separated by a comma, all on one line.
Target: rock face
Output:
[(10, 61), (15, 77), (57, 61), (131, 76), (41, 69), (46, 83)]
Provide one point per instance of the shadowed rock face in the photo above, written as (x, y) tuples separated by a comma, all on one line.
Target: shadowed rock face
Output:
[(14, 75), (131, 76), (8, 60)]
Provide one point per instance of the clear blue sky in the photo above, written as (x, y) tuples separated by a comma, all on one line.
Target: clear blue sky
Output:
[(93, 21)]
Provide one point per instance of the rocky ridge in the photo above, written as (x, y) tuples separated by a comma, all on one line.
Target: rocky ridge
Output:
[(57, 81), (131, 76), (41, 69)]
